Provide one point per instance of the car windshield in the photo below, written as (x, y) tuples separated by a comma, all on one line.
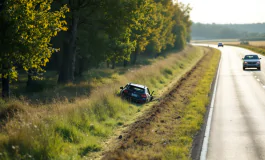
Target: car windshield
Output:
[(136, 89), (251, 57)]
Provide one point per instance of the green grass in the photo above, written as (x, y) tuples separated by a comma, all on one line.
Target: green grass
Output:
[(257, 49), (193, 114), (74, 129)]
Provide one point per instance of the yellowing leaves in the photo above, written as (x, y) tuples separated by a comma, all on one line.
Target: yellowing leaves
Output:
[(34, 24), (29, 5), (64, 28)]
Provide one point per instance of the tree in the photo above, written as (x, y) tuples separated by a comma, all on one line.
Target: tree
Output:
[(142, 24), (118, 20), (26, 35), (67, 70)]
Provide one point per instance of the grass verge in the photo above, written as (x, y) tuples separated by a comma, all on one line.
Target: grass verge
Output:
[(77, 129), (257, 49), (166, 131), (192, 119)]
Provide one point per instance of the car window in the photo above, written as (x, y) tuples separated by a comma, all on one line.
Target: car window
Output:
[(136, 89), (148, 91), (251, 57)]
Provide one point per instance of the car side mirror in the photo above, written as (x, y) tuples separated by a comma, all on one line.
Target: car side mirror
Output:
[(259, 58), (242, 58), (121, 87)]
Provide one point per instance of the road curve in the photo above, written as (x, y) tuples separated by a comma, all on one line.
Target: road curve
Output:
[(237, 130)]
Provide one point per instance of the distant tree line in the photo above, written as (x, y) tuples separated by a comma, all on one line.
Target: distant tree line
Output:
[(71, 36), (228, 31)]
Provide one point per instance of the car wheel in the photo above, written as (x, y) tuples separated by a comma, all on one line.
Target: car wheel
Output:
[(244, 68), (258, 68)]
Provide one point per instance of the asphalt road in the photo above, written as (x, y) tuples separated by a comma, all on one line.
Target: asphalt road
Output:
[(237, 130)]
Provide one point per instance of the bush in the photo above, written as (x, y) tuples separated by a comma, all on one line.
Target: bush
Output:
[(244, 43)]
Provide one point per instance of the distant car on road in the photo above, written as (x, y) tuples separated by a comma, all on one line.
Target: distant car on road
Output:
[(251, 61), (136, 92), (220, 44)]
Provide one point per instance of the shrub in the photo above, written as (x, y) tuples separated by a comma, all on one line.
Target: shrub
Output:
[(244, 43)]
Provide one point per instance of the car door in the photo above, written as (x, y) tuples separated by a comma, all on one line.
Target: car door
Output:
[(148, 94)]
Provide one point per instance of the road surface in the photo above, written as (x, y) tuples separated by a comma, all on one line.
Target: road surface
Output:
[(237, 130)]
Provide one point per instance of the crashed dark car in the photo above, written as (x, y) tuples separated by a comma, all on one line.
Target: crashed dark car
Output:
[(251, 61), (136, 93)]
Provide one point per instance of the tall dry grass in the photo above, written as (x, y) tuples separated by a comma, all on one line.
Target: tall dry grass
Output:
[(74, 130)]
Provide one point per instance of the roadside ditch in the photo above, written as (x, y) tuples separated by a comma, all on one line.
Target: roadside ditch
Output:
[(173, 128)]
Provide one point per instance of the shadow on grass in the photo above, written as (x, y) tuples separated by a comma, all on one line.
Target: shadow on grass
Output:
[(47, 91)]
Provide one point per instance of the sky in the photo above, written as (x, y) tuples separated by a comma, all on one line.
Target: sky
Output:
[(227, 11)]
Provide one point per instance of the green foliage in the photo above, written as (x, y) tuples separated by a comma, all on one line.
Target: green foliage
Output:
[(168, 71), (91, 148), (112, 30), (193, 114), (260, 50), (66, 130), (245, 32), (41, 143), (26, 35), (69, 134), (107, 31), (244, 42)]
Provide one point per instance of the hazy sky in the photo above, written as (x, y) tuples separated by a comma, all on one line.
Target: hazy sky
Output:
[(227, 11)]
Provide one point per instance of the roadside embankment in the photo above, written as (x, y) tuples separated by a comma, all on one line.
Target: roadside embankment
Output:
[(78, 129), (167, 129)]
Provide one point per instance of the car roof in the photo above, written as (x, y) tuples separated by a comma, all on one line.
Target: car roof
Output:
[(251, 55), (137, 85)]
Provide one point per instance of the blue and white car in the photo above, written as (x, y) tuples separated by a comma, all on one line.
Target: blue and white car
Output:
[(220, 44)]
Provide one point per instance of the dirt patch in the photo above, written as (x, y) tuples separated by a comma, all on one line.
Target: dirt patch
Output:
[(146, 138)]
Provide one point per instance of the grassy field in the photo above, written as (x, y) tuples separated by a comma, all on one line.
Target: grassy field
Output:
[(230, 42), (77, 128), (167, 130), (255, 46), (251, 43)]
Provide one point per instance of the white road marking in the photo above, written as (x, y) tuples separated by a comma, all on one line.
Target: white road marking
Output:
[(209, 121)]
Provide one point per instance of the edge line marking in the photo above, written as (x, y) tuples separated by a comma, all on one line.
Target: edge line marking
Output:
[(204, 150)]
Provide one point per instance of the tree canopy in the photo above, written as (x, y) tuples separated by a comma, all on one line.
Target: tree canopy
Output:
[(99, 31), (27, 29), (227, 31)]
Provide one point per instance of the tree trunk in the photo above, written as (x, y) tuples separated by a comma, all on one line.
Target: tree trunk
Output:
[(134, 58), (135, 55), (69, 53), (81, 67), (113, 64), (125, 63), (2, 2), (5, 87), (107, 64), (29, 82), (5, 80)]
